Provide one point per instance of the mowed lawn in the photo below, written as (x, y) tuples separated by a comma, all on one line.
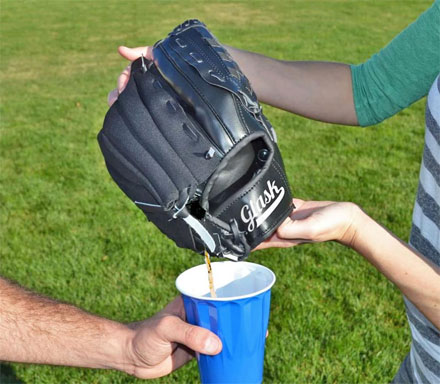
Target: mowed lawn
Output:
[(68, 232)]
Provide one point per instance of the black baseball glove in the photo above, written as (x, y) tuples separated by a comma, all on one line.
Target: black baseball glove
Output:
[(188, 143)]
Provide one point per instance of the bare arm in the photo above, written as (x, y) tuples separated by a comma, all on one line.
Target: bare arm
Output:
[(317, 90), (316, 221), (416, 277), (36, 329)]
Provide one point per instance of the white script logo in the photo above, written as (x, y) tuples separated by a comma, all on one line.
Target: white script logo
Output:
[(252, 213)]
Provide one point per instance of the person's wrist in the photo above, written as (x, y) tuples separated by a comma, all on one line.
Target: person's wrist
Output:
[(122, 360), (353, 222)]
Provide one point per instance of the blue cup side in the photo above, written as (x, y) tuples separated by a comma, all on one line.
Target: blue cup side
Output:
[(241, 325)]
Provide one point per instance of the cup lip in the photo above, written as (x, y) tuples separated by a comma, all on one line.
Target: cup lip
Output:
[(231, 298)]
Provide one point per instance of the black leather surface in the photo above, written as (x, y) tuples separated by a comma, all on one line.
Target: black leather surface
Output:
[(188, 143)]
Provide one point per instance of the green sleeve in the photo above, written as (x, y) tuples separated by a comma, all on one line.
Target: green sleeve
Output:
[(401, 73)]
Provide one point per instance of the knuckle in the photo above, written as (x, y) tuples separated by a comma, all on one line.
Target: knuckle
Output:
[(283, 232), (164, 323), (193, 335)]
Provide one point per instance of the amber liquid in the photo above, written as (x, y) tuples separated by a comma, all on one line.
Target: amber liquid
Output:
[(210, 278)]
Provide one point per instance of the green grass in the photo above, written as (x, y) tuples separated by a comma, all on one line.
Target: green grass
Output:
[(68, 232)]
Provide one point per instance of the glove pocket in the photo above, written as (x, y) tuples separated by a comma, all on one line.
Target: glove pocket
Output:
[(250, 190)]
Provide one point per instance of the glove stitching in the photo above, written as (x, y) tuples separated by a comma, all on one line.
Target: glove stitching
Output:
[(235, 144), (201, 94), (225, 233), (220, 167), (240, 112), (228, 76), (218, 226), (157, 195), (225, 72), (137, 138), (239, 197), (280, 172), (203, 53), (127, 182), (253, 187), (162, 135), (222, 62), (269, 229), (276, 223)]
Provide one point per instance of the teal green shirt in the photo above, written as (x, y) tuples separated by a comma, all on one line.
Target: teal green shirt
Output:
[(401, 73)]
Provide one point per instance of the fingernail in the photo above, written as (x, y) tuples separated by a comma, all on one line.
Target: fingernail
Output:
[(211, 344)]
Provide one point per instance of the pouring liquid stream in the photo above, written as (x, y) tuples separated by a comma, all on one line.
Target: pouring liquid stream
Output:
[(210, 278)]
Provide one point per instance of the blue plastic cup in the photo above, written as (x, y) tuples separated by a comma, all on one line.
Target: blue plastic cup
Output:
[(239, 316)]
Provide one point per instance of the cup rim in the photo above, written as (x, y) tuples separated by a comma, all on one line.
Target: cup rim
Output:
[(231, 298)]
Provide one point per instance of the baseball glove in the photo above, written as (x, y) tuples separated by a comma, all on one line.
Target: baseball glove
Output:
[(188, 143)]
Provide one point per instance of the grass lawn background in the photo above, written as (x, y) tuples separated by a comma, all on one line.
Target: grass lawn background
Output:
[(67, 231)]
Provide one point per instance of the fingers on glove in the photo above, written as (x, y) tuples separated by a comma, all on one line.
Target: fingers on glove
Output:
[(112, 97), (123, 78), (134, 53)]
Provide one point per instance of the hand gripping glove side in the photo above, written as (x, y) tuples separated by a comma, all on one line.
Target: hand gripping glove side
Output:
[(188, 143)]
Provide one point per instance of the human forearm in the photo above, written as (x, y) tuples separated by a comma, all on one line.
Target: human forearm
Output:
[(36, 329), (317, 221), (317, 90), (415, 276)]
